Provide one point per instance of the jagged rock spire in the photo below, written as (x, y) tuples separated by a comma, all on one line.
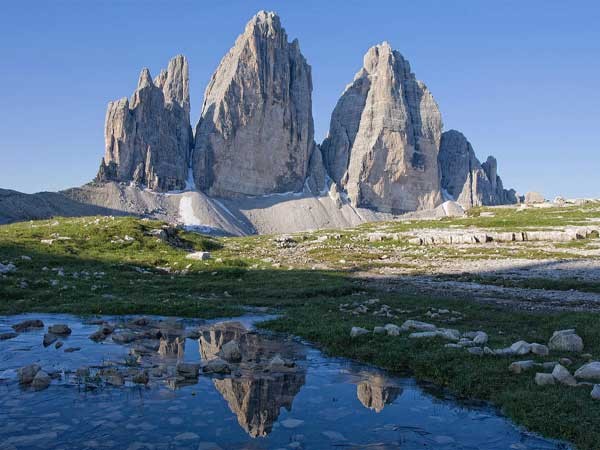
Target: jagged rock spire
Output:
[(256, 132), (464, 178), (148, 138), (384, 137)]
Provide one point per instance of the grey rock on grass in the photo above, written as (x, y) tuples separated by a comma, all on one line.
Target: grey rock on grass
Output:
[(566, 340), (589, 371), (562, 375), (358, 331)]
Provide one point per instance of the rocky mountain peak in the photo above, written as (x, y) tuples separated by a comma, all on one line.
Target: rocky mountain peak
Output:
[(255, 135), (145, 79), (384, 137), (175, 82), (148, 138), (465, 179)]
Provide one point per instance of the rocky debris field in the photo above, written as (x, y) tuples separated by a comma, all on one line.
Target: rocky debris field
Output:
[(475, 343)]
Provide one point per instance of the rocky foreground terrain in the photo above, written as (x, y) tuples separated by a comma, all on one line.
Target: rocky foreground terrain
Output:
[(252, 165), (500, 304)]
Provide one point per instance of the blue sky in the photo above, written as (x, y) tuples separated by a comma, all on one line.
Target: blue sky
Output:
[(519, 78)]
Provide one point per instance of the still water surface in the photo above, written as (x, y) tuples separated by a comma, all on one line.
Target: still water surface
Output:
[(309, 402)]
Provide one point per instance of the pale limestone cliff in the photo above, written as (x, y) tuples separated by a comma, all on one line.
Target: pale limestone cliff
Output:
[(384, 137), (148, 138), (256, 133), (465, 179)]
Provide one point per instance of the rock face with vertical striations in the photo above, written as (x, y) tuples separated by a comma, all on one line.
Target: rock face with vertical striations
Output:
[(255, 135), (148, 138), (384, 137), (465, 179)]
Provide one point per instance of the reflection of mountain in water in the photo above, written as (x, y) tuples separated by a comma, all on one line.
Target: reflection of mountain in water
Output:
[(376, 392), (259, 387), (256, 401), (172, 346)]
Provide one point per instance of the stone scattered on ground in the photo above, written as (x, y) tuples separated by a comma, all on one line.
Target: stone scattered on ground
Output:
[(59, 329), (544, 379), (480, 338), (566, 340), (589, 371), (539, 349), (358, 331), (379, 330), (520, 366), (417, 326), (562, 375), (596, 392), (58, 345), (199, 256), (4, 269), (28, 325), (392, 330)]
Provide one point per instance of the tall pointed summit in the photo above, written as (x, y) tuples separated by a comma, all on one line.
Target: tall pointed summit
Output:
[(148, 138), (256, 132), (384, 137)]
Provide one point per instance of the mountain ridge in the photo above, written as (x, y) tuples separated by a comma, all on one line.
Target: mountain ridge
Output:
[(385, 154)]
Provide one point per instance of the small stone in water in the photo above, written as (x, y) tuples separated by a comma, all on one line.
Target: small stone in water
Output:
[(41, 381), (8, 335), (544, 379), (28, 325), (59, 329)]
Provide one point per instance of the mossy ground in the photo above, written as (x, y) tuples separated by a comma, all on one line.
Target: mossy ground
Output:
[(97, 271)]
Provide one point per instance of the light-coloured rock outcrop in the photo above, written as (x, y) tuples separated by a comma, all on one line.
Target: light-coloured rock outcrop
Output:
[(383, 141), (148, 138), (465, 179), (256, 132), (534, 198)]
